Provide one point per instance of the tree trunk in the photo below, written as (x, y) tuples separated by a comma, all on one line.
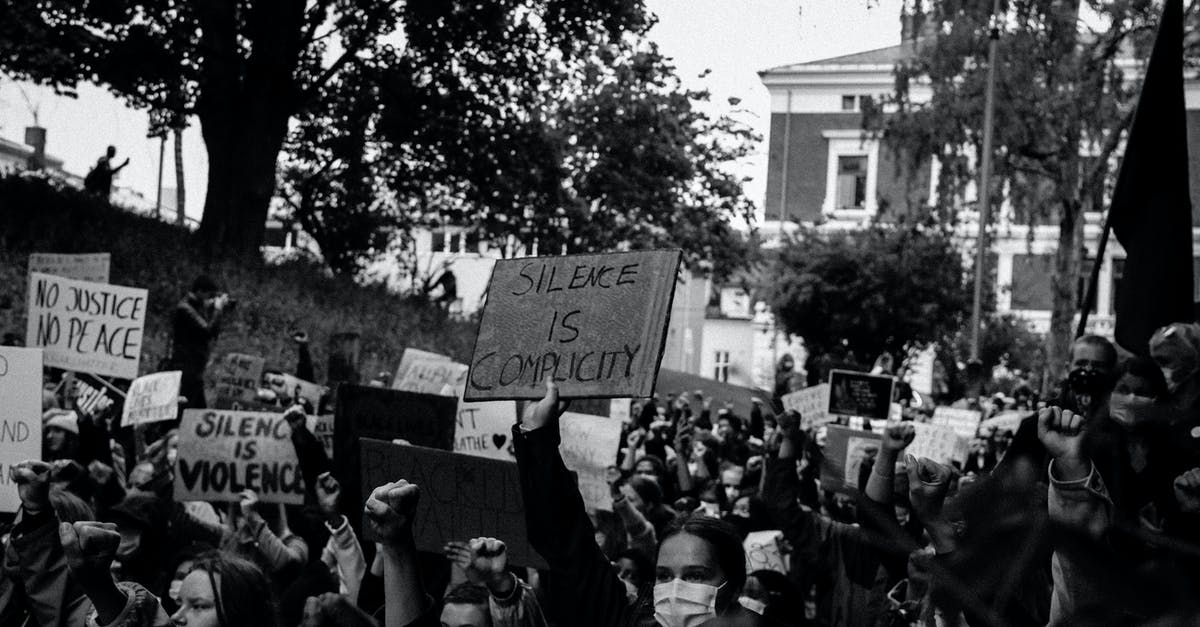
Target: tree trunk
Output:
[(180, 193), (1064, 288)]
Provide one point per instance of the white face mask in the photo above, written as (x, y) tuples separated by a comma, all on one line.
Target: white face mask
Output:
[(1127, 409), (754, 605), (679, 603)]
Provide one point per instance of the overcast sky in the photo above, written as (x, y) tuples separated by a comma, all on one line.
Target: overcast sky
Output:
[(733, 38)]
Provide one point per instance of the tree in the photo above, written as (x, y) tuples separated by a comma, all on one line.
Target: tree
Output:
[(246, 67), (1061, 93), (876, 289)]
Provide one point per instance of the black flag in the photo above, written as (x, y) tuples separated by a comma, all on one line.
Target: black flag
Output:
[(1151, 211)]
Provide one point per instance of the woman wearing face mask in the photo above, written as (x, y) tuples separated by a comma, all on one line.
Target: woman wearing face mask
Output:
[(700, 562)]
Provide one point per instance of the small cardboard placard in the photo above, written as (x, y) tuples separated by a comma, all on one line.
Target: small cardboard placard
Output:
[(762, 551), (589, 447), (223, 452), (429, 373), (322, 427), (964, 422), (86, 327), (595, 323), (812, 404), (462, 496), (152, 398), (846, 450), (290, 388), (860, 394), (485, 429), (238, 379), (21, 422), (91, 267), (939, 443)]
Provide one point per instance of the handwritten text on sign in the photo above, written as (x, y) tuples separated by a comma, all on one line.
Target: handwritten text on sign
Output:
[(86, 327), (86, 267), (462, 497), (589, 447), (428, 373), (595, 323), (152, 398), (222, 453), (485, 429), (811, 403), (860, 394), (238, 378), (963, 421), (21, 421)]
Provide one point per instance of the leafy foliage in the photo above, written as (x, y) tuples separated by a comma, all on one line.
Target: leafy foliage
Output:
[(875, 289)]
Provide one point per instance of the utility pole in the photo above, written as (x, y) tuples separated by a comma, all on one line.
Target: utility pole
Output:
[(162, 147), (985, 175)]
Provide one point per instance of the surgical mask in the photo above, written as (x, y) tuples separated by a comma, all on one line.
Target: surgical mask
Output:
[(1127, 409), (754, 605), (679, 603), (173, 590)]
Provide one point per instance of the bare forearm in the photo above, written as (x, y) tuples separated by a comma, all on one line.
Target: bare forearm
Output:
[(404, 598), (879, 484)]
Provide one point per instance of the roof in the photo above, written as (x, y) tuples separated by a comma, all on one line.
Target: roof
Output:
[(879, 56)]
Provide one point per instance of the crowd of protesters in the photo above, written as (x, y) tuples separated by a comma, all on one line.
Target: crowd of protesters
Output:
[(1084, 513)]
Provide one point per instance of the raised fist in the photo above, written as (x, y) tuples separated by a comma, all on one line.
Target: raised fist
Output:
[(1061, 432), (328, 490), (33, 483), (928, 484), (1187, 491), (485, 560), (90, 548), (390, 510), (897, 436)]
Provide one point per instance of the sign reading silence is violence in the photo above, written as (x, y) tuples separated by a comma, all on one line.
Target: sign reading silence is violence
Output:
[(595, 323), (86, 327), (222, 453)]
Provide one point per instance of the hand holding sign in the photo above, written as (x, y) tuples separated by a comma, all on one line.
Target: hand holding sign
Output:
[(390, 511), (548, 408)]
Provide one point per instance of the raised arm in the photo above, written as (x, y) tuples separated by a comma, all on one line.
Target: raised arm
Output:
[(390, 510)]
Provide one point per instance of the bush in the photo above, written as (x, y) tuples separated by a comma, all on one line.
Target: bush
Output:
[(37, 215)]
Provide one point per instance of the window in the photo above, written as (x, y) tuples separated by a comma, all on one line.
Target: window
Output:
[(848, 103), (1031, 282), (852, 182), (721, 366)]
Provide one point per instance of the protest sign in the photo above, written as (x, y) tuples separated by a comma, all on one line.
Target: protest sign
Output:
[(322, 428), (223, 452), (920, 370), (90, 397), (485, 429), (86, 327), (720, 395), (963, 421), (428, 373), (289, 389), (620, 408), (21, 420), (462, 496), (812, 404), (595, 323), (589, 447), (762, 551), (152, 398), (1005, 421), (860, 394), (383, 414), (238, 380), (842, 469), (937, 442), (91, 267)]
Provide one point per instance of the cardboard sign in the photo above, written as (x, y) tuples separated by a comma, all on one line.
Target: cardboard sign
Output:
[(290, 388), (92, 267), (939, 443), (91, 398), (812, 404), (322, 427), (428, 373), (462, 496), (223, 452), (369, 412), (238, 380), (762, 551), (964, 422), (860, 394), (721, 394), (152, 398), (620, 409), (21, 420), (485, 429), (595, 323), (589, 447), (86, 327), (845, 452)]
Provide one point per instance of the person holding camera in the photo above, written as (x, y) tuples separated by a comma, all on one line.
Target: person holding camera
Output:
[(196, 323)]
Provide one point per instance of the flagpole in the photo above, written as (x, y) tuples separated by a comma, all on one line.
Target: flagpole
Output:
[(985, 173), (1094, 280)]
